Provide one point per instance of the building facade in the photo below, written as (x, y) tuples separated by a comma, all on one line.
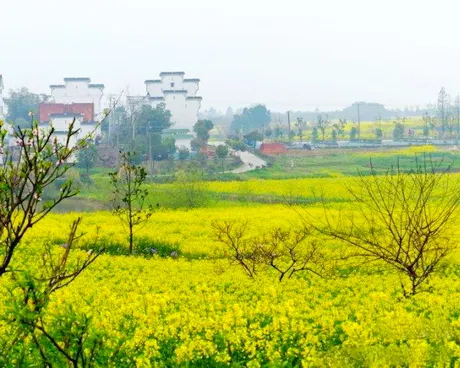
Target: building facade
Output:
[(179, 96), (79, 90), (76, 98)]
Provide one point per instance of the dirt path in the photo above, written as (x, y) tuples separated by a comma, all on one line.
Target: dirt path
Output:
[(250, 162)]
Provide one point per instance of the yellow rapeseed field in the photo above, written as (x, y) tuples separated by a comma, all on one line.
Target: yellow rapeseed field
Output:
[(199, 310)]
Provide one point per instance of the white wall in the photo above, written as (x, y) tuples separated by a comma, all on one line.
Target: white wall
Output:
[(184, 112), (80, 91)]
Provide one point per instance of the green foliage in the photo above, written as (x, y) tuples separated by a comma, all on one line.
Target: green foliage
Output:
[(222, 153), (398, 131), (154, 120), (378, 133), (202, 129), (334, 135), (21, 103), (253, 137), (236, 144), (87, 156), (183, 153), (354, 134), (130, 194), (252, 118), (315, 135), (189, 190)]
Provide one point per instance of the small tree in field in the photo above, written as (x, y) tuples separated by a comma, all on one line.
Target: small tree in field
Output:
[(130, 194), (34, 162), (286, 251), (222, 153), (404, 219), (87, 157)]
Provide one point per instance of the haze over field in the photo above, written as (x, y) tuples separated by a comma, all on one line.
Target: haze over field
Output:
[(294, 54)]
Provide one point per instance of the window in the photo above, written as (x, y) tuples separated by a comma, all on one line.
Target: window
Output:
[(172, 84)]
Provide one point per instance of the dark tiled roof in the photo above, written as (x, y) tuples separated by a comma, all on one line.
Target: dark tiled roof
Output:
[(65, 115), (175, 91), (171, 73), (196, 80), (96, 86), (195, 98), (78, 79), (57, 86), (150, 81), (156, 98)]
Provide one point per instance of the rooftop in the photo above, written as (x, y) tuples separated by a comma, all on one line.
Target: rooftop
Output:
[(70, 115), (151, 81), (171, 73), (77, 79), (175, 91)]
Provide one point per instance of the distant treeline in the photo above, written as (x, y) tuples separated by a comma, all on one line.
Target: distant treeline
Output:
[(364, 111), (367, 111)]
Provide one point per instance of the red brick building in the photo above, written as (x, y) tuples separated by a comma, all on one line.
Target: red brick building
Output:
[(272, 148), (47, 109)]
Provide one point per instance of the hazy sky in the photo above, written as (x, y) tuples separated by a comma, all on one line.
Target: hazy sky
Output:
[(289, 54)]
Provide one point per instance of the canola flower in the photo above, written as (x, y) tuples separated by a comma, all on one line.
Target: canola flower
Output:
[(201, 311)]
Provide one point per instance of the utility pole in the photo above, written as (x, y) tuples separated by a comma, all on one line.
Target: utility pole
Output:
[(289, 127), (359, 124), (150, 150)]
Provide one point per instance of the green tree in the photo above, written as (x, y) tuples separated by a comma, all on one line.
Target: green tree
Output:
[(86, 157), (353, 133), (202, 129), (322, 124), (398, 131), (130, 194), (334, 135), (252, 118), (153, 120), (222, 153), (252, 138), (315, 135), (21, 103), (184, 153)]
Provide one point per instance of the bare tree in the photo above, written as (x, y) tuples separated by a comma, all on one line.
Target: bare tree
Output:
[(457, 118), (130, 195), (285, 251), (35, 161), (322, 124), (58, 269), (443, 107), (403, 219)]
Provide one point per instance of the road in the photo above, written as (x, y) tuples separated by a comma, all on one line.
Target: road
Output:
[(250, 162)]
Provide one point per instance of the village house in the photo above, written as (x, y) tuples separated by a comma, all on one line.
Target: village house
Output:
[(179, 96)]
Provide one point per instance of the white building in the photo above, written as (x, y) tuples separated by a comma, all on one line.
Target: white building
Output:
[(179, 95), (2, 103), (79, 90)]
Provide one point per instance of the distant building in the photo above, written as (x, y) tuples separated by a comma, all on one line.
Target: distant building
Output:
[(76, 99), (2, 103), (78, 90), (272, 148), (179, 96)]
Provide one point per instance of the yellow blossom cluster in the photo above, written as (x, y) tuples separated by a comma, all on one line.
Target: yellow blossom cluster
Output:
[(202, 311)]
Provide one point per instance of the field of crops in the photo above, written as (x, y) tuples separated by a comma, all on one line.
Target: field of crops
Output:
[(178, 302)]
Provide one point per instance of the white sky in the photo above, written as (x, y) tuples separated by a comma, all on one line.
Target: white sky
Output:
[(289, 54)]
